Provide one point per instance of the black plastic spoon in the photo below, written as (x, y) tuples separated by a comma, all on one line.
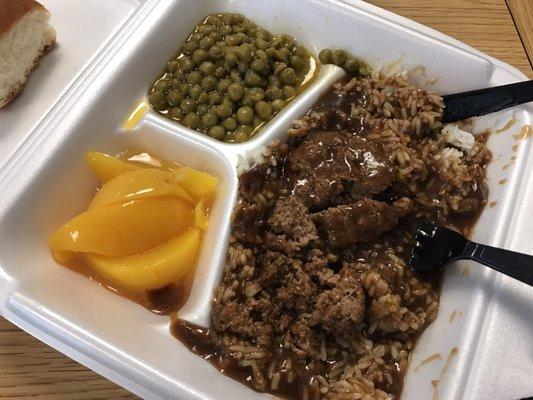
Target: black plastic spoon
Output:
[(437, 246), (475, 103)]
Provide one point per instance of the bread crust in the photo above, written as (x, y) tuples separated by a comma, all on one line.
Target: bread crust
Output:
[(11, 11), (20, 86)]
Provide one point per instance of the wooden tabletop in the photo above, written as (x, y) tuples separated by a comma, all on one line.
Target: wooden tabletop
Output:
[(30, 369)]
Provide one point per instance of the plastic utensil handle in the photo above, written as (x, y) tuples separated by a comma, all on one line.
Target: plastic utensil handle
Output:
[(516, 265), (484, 101)]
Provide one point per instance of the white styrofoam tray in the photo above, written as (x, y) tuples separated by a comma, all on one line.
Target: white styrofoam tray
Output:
[(46, 182)]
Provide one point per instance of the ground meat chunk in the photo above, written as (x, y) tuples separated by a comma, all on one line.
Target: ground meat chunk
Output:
[(273, 266), (325, 162), (362, 221), (290, 217), (341, 310)]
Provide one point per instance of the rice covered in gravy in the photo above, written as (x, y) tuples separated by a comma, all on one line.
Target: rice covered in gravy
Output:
[(316, 300)]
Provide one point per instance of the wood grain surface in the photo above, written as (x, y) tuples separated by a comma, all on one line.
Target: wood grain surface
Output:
[(30, 369), (522, 13)]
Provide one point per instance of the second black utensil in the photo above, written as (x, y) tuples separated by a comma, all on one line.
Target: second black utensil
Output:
[(475, 103), (437, 246)]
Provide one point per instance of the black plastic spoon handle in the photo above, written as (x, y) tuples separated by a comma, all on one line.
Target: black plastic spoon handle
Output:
[(475, 103), (517, 265)]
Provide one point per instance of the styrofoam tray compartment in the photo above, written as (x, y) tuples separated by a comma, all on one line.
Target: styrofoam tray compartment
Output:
[(46, 182)]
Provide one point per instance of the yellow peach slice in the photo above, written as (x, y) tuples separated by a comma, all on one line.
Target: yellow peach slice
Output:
[(123, 229), (197, 183), (141, 183), (106, 167), (201, 214), (152, 269)]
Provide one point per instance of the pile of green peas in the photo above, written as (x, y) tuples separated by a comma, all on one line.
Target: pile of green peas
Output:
[(230, 77), (340, 58)]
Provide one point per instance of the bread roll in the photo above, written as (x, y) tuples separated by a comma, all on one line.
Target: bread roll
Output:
[(25, 36)]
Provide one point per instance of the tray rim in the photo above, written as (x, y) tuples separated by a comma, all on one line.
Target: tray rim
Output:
[(28, 146)]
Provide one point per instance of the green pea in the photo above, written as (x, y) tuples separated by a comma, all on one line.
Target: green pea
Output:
[(191, 120), (196, 37), (262, 34), (202, 109), (274, 82), (243, 37), (297, 62), (186, 64), (207, 68), (338, 57), (245, 115), (288, 92), (235, 91), (287, 52), (277, 41), (175, 83), (261, 43), (174, 97), (213, 20), (259, 65), (216, 52), (184, 88), (224, 109), (217, 132), (223, 85), (269, 51), (227, 19), (230, 124), (245, 53), (172, 65), (273, 92), (256, 94), (189, 47), (261, 55), (263, 109), (195, 92), (252, 79), (225, 29), (365, 70), (209, 83), (325, 56), (289, 41), (235, 75), (220, 72), (199, 56), (243, 67), (203, 98), (215, 98), (277, 105), (287, 76), (194, 77), (158, 100), (242, 134), (216, 37), (232, 58), (209, 120), (280, 56), (175, 113), (205, 28), (351, 65), (279, 67), (232, 40), (162, 85), (206, 43), (188, 105)]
